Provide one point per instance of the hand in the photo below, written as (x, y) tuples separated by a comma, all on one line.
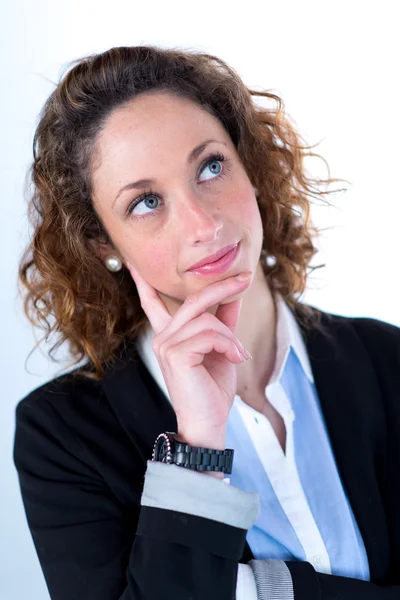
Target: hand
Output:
[(197, 351)]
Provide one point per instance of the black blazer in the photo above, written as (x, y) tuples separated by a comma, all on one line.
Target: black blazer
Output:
[(81, 451)]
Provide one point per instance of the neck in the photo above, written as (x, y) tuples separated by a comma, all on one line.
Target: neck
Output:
[(256, 330)]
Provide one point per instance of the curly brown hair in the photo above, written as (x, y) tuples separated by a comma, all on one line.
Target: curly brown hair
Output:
[(96, 310)]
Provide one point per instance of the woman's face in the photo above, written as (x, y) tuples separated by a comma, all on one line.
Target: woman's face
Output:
[(194, 206)]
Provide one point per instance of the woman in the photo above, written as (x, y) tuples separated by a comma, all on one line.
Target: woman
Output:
[(189, 371)]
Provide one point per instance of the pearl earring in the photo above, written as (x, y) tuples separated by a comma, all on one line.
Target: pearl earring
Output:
[(113, 263), (256, 191)]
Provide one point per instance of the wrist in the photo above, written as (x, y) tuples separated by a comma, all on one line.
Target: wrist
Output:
[(203, 440), (215, 474)]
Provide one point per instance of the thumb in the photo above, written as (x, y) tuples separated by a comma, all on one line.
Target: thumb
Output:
[(229, 313)]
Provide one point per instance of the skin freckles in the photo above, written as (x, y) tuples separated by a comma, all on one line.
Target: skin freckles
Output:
[(194, 209)]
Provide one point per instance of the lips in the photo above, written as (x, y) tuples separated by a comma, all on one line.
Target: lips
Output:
[(213, 257)]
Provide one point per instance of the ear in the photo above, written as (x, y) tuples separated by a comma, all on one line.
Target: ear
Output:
[(103, 250)]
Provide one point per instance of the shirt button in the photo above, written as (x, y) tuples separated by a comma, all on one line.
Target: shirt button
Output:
[(317, 559)]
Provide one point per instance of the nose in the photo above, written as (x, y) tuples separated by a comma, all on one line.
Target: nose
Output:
[(198, 216)]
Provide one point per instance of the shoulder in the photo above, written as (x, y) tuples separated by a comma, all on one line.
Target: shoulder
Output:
[(56, 417), (380, 338), (71, 392), (376, 330), (68, 390), (372, 339), (369, 340), (382, 343), (368, 329)]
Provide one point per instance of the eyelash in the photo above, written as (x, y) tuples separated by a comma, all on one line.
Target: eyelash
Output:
[(216, 156)]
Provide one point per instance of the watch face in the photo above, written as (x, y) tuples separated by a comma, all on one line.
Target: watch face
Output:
[(161, 449), (162, 454)]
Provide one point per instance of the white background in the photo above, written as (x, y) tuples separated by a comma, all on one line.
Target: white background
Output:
[(335, 64)]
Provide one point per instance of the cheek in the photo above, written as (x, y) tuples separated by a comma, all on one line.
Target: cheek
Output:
[(159, 263), (245, 206), (155, 264)]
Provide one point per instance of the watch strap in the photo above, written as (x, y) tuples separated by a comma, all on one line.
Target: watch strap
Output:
[(195, 458)]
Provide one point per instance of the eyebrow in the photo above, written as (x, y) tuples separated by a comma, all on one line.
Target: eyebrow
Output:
[(141, 183)]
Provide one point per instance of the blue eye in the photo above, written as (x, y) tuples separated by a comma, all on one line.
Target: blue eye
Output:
[(213, 158)]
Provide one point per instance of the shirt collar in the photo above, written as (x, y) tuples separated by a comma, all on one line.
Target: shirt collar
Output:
[(288, 336)]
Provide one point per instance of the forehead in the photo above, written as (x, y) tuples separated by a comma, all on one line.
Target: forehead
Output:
[(155, 119)]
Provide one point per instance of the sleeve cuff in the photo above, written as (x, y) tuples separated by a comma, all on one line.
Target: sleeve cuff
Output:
[(273, 579), (176, 488)]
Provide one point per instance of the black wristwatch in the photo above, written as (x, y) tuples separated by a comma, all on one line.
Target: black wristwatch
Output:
[(169, 449)]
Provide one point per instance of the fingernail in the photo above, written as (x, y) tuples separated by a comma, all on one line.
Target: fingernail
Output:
[(248, 354), (243, 276)]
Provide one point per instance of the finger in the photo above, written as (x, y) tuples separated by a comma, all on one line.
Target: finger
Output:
[(197, 303), (191, 352), (229, 313), (206, 322), (150, 301)]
